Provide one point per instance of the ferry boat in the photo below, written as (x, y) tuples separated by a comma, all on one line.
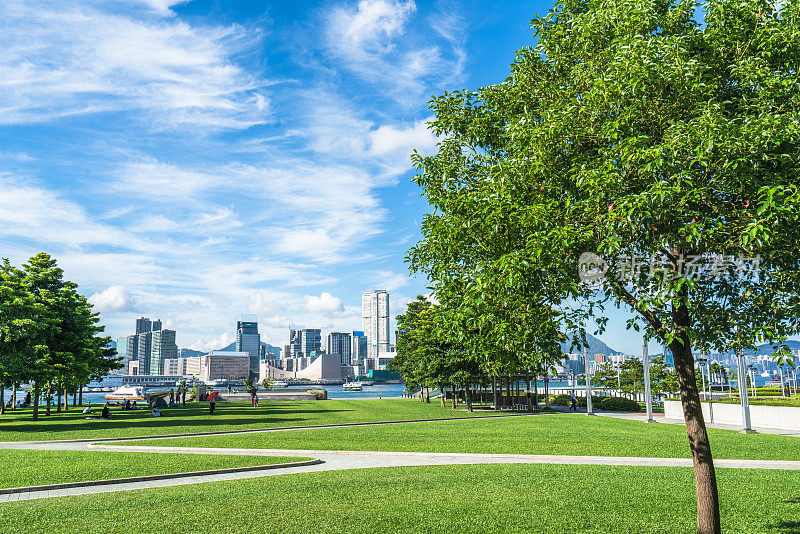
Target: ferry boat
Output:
[(352, 386), (135, 393)]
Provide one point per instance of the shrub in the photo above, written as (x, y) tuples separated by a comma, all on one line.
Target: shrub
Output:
[(619, 404), (561, 400), (596, 400)]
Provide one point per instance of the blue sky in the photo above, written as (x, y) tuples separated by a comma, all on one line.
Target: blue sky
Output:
[(196, 160)]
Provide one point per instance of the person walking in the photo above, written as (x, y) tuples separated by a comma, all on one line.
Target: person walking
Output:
[(574, 406), (211, 406), (171, 397)]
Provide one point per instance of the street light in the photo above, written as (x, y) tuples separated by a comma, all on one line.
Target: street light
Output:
[(745, 402), (648, 398), (701, 360), (753, 378), (588, 382)]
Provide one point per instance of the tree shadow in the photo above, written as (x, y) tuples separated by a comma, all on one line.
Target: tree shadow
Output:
[(787, 527)]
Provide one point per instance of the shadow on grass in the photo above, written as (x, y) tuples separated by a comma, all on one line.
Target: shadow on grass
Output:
[(788, 527), (192, 418)]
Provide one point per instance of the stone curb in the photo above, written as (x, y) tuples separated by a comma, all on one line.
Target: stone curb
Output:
[(274, 429), (85, 483)]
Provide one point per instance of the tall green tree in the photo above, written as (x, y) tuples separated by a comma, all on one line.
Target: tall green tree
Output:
[(657, 144)]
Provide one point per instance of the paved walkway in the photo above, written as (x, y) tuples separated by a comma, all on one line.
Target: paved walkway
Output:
[(338, 460)]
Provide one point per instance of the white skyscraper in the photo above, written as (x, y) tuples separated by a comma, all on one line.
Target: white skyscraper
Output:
[(375, 320)]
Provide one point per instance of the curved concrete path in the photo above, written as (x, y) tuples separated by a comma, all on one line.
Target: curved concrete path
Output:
[(339, 460)]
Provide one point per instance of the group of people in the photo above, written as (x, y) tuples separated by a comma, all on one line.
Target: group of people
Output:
[(20, 404)]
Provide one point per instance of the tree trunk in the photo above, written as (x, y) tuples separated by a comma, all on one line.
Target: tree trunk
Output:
[(547, 391), (468, 396), (75, 396), (494, 394), (35, 400), (14, 396), (705, 480), (59, 391), (80, 395), (427, 395), (508, 390), (48, 397), (536, 391), (528, 393), (455, 399), (443, 395)]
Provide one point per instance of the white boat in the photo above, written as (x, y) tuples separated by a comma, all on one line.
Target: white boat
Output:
[(135, 393), (131, 393), (280, 384), (352, 386)]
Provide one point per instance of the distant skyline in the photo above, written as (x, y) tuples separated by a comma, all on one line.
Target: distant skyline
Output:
[(195, 160)]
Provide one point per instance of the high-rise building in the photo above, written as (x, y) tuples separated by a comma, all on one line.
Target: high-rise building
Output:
[(295, 342), (132, 348), (375, 320), (143, 324), (143, 343), (122, 352), (358, 352), (340, 343), (311, 342), (248, 340), (162, 347), (155, 325)]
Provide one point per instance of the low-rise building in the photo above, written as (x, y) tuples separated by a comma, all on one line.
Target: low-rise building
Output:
[(225, 365)]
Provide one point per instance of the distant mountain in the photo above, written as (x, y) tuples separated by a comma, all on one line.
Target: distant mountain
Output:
[(189, 353), (277, 351), (766, 348), (595, 346)]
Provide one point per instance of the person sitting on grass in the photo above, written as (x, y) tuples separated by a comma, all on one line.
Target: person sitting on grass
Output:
[(106, 412), (134, 406), (155, 412)]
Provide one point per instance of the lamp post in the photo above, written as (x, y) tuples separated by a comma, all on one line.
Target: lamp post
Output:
[(752, 369), (701, 361), (588, 382), (648, 397), (742, 373)]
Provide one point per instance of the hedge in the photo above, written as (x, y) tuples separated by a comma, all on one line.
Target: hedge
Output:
[(619, 404)]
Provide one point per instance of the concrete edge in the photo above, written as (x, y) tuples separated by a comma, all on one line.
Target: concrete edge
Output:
[(165, 476), (274, 429)]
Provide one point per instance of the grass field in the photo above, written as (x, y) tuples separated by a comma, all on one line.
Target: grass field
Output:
[(32, 467), (536, 434), (17, 425), (481, 498)]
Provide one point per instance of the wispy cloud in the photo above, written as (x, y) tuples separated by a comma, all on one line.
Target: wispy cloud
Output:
[(61, 59), (372, 41)]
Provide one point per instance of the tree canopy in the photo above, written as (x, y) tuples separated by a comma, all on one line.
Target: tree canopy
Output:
[(660, 150), (49, 335)]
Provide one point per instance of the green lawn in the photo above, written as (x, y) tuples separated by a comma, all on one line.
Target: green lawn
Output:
[(480, 498), (538, 434), (18, 426), (31, 467)]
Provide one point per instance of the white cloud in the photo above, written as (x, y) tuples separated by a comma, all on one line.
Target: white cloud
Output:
[(373, 25), (223, 340), (263, 304), (162, 6), (392, 140), (113, 299), (69, 58), (368, 42), (325, 304)]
